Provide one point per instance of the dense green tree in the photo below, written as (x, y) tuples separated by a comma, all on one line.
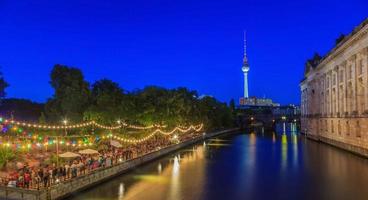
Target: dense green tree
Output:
[(6, 155), (215, 114), (185, 106), (107, 102), (151, 105), (160, 105), (129, 108), (71, 97), (106, 99)]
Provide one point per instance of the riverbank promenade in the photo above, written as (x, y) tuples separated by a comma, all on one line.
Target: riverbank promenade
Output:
[(111, 165)]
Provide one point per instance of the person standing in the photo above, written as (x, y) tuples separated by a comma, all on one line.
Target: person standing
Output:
[(73, 169), (67, 170), (40, 178), (54, 173), (46, 178)]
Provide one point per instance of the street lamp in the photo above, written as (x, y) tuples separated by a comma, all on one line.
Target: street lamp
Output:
[(65, 122)]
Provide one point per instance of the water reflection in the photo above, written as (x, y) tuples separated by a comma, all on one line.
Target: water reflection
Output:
[(159, 168), (286, 128), (175, 180), (284, 152), (121, 191), (244, 166), (294, 139)]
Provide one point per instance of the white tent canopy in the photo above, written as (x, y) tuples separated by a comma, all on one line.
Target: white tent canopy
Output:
[(115, 144), (69, 155), (88, 151)]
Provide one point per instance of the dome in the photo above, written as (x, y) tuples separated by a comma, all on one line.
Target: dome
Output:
[(245, 68)]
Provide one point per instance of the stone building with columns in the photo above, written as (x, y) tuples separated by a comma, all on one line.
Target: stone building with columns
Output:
[(334, 93)]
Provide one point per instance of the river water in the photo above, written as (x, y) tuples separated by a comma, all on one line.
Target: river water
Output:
[(256, 165)]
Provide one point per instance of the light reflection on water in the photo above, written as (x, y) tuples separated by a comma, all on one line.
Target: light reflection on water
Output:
[(279, 165), (175, 180), (121, 191)]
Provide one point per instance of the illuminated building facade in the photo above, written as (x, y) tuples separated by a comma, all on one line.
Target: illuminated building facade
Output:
[(334, 92)]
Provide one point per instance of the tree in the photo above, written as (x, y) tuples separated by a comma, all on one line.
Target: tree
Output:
[(71, 97), (215, 114), (151, 104), (106, 98), (6, 155), (3, 86), (21, 109), (42, 119), (232, 105), (107, 102), (159, 105)]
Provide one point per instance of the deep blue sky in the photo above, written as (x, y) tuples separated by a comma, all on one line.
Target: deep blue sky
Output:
[(197, 44)]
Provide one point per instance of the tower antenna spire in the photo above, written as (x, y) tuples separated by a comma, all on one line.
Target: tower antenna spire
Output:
[(245, 43), (245, 58)]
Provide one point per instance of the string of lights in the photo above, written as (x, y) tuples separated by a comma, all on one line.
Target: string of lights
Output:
[(27, 142), (158, 131), (40, 142), (182, 130), (76, 126)]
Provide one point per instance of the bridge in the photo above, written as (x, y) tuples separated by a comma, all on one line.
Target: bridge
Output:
[(251, 118)]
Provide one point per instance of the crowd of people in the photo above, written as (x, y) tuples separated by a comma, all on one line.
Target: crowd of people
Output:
[(43, 176)]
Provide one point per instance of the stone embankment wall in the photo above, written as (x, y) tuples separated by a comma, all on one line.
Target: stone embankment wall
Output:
[(342, 145), (66, 188)]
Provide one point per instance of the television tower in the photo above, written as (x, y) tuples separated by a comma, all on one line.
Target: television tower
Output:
[(245, 67)]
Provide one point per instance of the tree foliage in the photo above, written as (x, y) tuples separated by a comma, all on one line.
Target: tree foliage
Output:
[(6, 155), (3, 86), (71, 97), (105, 101), (21, 109)]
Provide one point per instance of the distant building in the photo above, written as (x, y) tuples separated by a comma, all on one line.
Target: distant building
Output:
[(254, 101), (286, 110), (246, 100), (334, 93)]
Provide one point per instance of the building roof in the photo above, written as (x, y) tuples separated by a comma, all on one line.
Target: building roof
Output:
[(315, 62)]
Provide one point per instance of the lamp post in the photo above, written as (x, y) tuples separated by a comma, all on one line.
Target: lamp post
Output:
[(65, 122), (57, 151)]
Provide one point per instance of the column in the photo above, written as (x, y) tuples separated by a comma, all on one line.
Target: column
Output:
[(337, 97), (325, 94), (355, 83), (365, 77), (330, 93), (348, 90)]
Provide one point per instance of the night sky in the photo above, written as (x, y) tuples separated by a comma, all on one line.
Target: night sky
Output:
[(191, 43)]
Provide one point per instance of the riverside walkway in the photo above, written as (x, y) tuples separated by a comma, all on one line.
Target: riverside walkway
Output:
[(93, 177)]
